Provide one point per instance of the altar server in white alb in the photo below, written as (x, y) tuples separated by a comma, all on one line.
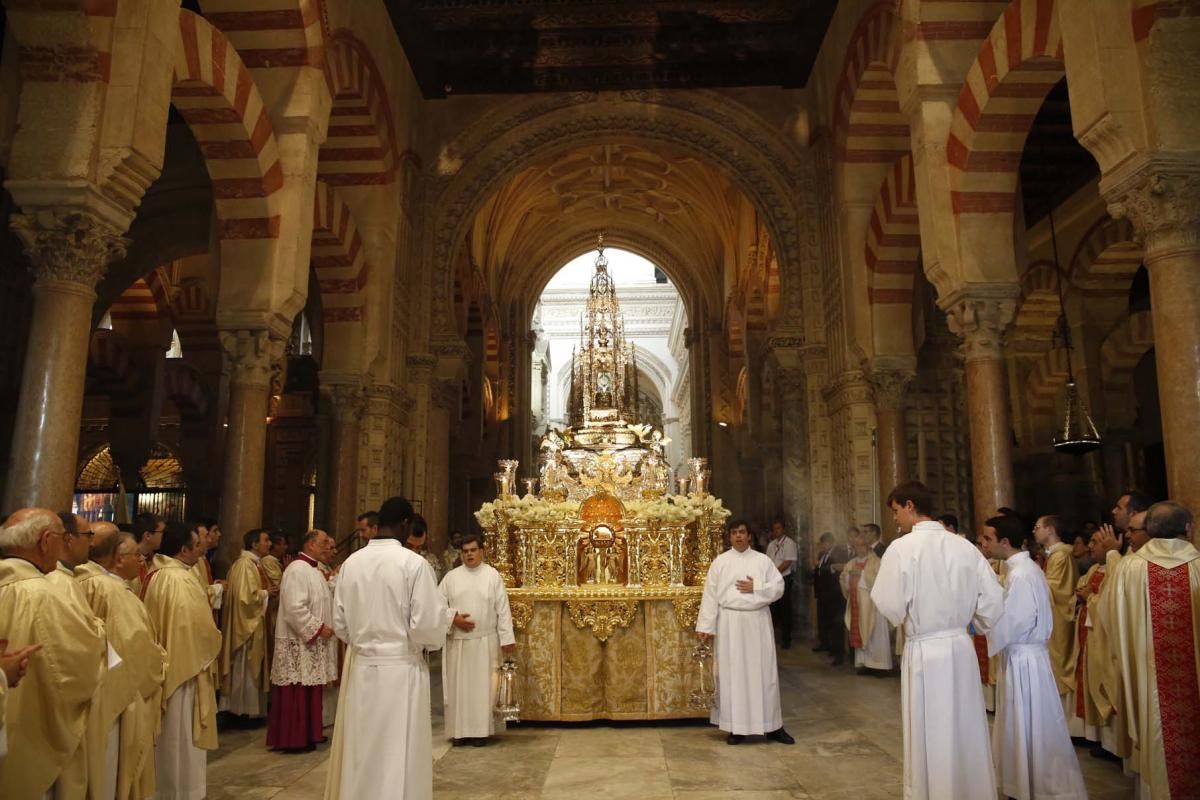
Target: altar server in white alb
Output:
[(1030, 742), (386, 607), (935, 584), (481, 630), (742, 583)]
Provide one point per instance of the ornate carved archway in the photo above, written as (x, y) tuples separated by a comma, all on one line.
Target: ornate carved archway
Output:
[(758, 161)]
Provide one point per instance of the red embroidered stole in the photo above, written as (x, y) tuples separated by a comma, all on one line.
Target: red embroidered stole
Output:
[(1178, 685), (855, 636), (1081, 633)]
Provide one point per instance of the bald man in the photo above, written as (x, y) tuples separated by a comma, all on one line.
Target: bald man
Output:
[(48, 716), (131, 692)]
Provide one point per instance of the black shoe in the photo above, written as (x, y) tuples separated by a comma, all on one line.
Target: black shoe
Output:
[(478, 742), (1103, 755), (734, 738), (458, 742), (837, 662), (1082, 741), (781, 736)]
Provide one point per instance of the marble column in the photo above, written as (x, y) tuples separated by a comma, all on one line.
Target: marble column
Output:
[(251, 355), (69, 252), (349, 405), (891, 438), (981, 321), (1162, 200)]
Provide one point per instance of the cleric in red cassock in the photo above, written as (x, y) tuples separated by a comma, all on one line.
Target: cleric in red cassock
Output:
[(305, 648)]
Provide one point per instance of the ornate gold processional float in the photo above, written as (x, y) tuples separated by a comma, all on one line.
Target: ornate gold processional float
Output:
[(604, 564)]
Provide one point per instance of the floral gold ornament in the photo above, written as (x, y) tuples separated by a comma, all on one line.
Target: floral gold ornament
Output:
[(603, 617)]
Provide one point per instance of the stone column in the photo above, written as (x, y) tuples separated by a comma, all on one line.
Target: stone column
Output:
[(981, 319), (444, 399), (349, 405), (70, 252), (250, 356), (891, 438), (1162, 200)]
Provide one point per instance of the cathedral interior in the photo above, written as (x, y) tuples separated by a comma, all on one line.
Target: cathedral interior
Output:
[(274, 261)]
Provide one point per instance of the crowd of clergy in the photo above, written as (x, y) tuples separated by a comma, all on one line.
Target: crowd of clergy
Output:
[(1089, 640), (123, 657), (120, 650)]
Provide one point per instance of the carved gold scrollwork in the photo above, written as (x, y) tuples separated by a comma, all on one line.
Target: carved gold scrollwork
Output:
[(687, 611), (522, 613), (602, 617)]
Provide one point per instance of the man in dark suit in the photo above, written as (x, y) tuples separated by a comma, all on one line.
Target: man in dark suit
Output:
[(875, 537), (831, 605)]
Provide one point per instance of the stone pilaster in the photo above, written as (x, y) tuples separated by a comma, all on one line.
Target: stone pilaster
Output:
[(980, 316), (890, 387), (349, 402), (1161, 197), (252, 358), (852, 420), (70, 251)]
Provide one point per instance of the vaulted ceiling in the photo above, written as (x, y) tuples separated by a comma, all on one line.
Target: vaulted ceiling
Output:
[(517, 46), (653, 195)]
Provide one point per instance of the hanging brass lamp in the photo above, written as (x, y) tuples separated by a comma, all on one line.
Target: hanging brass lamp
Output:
[(1077, 435)]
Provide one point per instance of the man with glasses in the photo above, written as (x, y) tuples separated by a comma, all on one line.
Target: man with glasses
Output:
[(46, 718), (148, 530), (129, 707)]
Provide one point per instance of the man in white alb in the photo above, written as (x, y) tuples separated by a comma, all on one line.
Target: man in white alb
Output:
[(741, 584), (1030, 742), (482, 628), (386, 607), (783, 554), (935, 584)]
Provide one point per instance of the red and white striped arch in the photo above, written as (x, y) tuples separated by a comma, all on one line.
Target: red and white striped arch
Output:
[(1120, 354), (272, 33), (735, 329), (195, 320), (1043, 386), (143, 301), (1107, 259), (217, 97), (338, 257), (893, 243), (868, 126), (111, 366), (361, 145), (1038, 308), (1017, 65)]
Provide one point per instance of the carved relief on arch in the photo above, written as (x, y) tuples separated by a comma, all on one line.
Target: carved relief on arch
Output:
[(704, 124)]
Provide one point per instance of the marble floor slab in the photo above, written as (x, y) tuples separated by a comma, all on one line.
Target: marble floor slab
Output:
[(848, 747)]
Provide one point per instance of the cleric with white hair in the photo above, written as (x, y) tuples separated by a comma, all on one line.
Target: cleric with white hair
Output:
[(47, 717)]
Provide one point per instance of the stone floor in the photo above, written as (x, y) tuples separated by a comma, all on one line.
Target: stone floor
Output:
[(848, 746)]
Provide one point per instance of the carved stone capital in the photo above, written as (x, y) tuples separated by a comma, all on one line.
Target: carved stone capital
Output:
[(981, 320), (349, 402), (420, 367), (252, 356), (849, 388), (891, 387), (1162, 201), (71, 246)]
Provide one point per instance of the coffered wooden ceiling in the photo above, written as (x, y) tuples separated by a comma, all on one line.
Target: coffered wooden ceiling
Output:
[(517, 46)]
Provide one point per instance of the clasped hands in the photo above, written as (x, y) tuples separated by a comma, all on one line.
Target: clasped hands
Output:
[(463, 623)]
